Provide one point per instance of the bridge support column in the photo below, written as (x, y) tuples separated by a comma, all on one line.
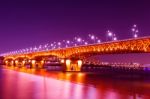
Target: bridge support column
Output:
[(16, 63), (33, 62), (19, 63), (42, 64), (68, 65), (23, 63), (72, 64), (38, 64), (80, 63), (12, 63), (7, 63)]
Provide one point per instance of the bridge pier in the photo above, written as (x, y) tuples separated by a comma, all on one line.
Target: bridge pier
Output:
[(7, 63), (33, 63), (72, 64), (68, 64), (37, 64), (19, 63), (12, 63)]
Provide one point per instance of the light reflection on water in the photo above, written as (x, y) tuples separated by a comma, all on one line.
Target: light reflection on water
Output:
[(32, 84)]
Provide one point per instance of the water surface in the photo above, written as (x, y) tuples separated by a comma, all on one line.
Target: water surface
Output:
[(31, 84)]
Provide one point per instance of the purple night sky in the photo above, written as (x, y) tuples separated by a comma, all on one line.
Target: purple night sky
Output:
[(26, 23)]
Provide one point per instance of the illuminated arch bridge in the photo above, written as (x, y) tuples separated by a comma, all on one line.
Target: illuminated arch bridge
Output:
[(74, 56)]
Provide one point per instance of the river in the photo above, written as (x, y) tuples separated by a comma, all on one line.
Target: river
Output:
[(31, 84)]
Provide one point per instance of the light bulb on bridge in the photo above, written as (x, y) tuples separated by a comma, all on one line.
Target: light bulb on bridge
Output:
[(79, 39), (135, 35), (85, 43), (115, 38), (134, 25), (59, 43), (52, 45), (133, 29), (110, 34), (98, 41), (92, 37), (137, 31)]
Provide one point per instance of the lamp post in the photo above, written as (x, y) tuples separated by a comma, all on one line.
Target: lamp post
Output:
[(67, 43), (59, 45), (78, 40), (93, 38), (114, 37), (109, 35), (134, 31), (98, 41)]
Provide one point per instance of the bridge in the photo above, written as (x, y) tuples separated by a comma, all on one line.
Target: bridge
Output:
[(72, 58)]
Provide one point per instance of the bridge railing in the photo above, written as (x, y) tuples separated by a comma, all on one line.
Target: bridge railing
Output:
[(103, 43)]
